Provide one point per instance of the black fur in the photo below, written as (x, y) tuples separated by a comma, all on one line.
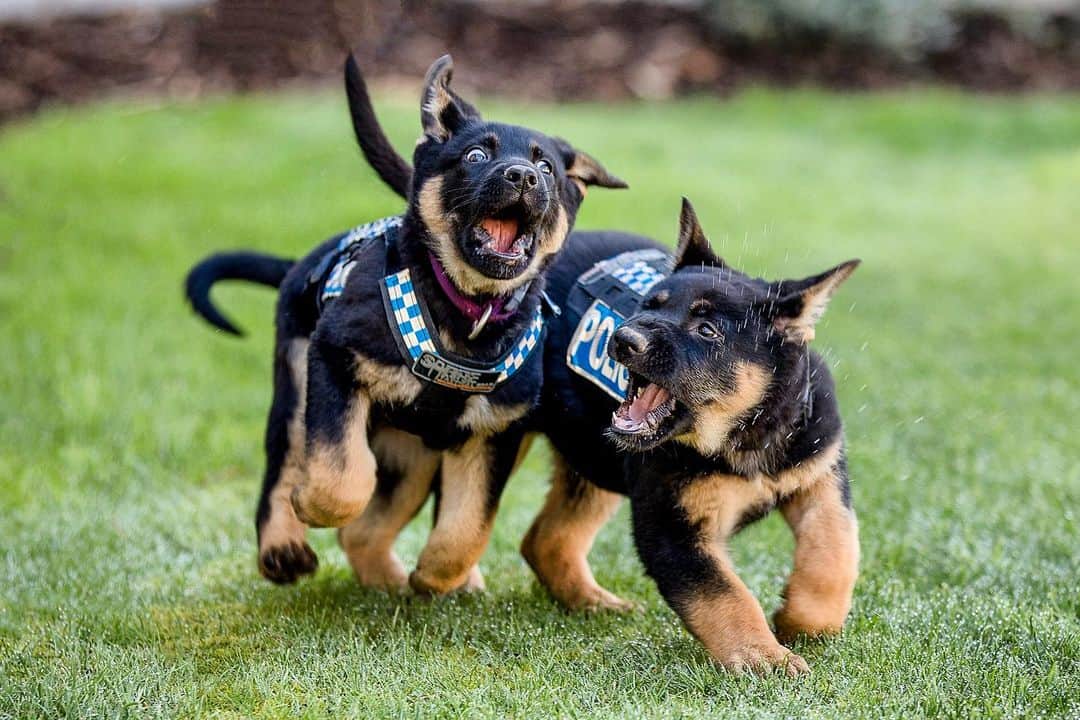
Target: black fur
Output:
[(250, 266)]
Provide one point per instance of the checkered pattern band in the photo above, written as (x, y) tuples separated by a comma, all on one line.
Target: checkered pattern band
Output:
[(525, 345), (410, 320), (335, 281), (418, 340), (639, 276)]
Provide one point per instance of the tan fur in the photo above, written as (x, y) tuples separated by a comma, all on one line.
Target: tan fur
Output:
[(483, 418), (818, 593), (368, 541), (714, 421), (463, 527), (281, 527), (340, 476), (731, 624), (392, 384), (558, 543), (732, 627)]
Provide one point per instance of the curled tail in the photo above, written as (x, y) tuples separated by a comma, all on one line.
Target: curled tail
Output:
[(251, 266), (394, 170)]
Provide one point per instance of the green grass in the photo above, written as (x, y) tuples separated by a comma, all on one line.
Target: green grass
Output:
[(130, 433)]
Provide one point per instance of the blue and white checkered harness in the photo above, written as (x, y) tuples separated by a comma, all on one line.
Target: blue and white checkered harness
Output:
[(417, 337), (639, 276), (428, 362)]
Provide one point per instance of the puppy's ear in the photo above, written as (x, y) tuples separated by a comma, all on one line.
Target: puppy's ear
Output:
[(693, 248), (586, 170), (803, 302), (442, 112)]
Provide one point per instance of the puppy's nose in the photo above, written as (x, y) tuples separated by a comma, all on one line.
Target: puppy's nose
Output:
[(628, 342), (522, 177)]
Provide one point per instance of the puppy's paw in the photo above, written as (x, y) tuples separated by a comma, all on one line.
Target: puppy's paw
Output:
[(315, 510), (378, 571), (475, 581), (790, 624), (763, 658), (602, 600), (424, 582), (283, 564)]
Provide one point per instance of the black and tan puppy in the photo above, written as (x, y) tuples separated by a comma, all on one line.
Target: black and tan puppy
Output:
[(728, 415), (406, 346)]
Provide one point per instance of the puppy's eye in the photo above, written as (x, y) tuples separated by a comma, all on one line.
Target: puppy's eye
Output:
[(708, 331), (545, 166), (476, 155)]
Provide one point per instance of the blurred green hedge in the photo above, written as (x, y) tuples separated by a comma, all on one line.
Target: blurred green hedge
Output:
[(910, 29)]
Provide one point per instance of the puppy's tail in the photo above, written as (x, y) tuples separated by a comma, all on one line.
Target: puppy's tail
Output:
[(394, 170), (251, 266)]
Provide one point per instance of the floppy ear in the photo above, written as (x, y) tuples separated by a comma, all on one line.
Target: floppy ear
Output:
[(693, 248), (442, 112), (796, 312), (585, 170)]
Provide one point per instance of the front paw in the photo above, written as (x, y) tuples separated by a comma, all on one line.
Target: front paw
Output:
[(424, 582), (762, 658), (283, 564), (790, 624)]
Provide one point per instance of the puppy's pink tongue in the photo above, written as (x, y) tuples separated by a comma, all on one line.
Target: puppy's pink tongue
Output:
[(503, 231), (650, 398)]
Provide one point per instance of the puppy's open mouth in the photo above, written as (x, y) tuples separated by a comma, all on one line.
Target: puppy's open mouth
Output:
[(504, 236), (646, 407)]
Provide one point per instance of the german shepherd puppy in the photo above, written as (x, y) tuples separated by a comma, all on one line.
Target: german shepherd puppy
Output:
[(355, 434), (728, 415)]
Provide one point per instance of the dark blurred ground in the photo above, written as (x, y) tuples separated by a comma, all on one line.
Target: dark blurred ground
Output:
[(540, 50)]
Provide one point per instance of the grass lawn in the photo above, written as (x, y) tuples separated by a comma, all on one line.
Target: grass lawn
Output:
[(130, 433)]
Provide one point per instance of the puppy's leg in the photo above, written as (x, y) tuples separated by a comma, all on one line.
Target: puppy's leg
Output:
[(472, 480), (817, 598), (406, 469), (557, 545), (284, 554), (682, 542), (340, 465)]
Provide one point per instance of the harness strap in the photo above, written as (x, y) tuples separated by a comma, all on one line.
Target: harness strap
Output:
[(409, 320)]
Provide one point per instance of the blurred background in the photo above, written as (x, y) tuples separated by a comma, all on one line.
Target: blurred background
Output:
[(64, 51)]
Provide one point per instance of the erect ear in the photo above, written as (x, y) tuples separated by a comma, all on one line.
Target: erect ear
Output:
[(803, 303), (693, 248), (585, 170), (442, 112)]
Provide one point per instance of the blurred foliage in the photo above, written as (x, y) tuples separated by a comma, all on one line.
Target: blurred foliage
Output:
[(910, 29)]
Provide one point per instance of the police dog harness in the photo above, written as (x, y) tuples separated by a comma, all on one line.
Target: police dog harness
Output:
[(605, 295), (409, 319)]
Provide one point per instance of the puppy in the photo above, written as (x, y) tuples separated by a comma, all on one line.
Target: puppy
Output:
[(727, 415), (410, 344)]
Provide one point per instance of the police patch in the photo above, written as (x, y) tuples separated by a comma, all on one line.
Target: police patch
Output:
[(613, 289), (587, 354)]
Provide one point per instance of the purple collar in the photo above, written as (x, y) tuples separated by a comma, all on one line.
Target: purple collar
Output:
[(470, 308)]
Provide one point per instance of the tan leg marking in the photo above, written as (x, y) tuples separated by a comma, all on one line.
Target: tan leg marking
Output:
[(558, 543), (368, 541), (463, 527), (282, 535), (729, 622), (340, 477), (817, 598)]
